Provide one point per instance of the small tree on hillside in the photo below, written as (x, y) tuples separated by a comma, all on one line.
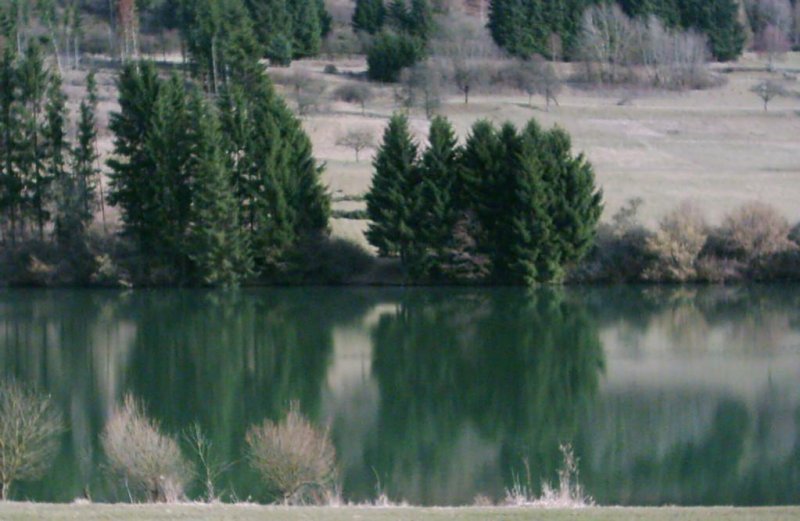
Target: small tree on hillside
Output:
[(423, 85), (767, 91), (358, 140), (357, 93)]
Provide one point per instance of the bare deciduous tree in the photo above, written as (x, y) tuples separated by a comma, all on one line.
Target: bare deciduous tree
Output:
[(295, 459), (466, 46), (534, 77), (211, 465), (29, 429), (307, 91), (606, 41), (357, 93), (768, 90), (423, 82), (773, 43), (358, 140), (147, 459)]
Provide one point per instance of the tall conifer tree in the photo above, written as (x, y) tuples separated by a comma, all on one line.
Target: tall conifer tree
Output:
[(391, 199)]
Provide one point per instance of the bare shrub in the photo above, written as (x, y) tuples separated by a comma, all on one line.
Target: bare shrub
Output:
[(356, 93), (212, 467), (146, 459), (307, 91), (357, 139), (773, 43), (677, 244), (768, 90), (295, 459), (754, 230), (29, 430)]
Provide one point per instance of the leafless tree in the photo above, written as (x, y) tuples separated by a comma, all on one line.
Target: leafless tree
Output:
[(212, 467), (423, 83), (358, 140), (768, 90), (147, 459), (773, 43), (307, 91), (295, 459), (357, 93), (672, 58), (607, 40), (465, 45), (534, 77), (29, 430)]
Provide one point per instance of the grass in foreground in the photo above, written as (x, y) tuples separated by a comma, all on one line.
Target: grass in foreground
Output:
[(31, 511)]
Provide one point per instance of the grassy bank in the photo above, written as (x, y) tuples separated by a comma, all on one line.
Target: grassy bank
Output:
[(26, 511)]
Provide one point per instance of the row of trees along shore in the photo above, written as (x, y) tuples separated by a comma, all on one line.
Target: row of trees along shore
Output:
[(512, 207)]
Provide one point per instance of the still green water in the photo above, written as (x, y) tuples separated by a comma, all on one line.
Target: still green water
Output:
[(669, 396)]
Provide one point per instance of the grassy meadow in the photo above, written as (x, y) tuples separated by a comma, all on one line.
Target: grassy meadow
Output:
[(28, 511)]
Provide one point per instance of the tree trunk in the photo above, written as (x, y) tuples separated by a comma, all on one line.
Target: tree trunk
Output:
[(466, 95)]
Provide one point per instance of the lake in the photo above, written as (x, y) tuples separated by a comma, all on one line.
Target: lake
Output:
[(683, 395)]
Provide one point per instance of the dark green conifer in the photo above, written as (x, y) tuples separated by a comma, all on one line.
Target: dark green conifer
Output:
[(436, 211), (368, 16), (217, 243), (390, 201), (307, 28)]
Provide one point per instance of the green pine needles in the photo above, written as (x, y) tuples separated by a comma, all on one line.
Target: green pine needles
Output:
[(212, 194), (509, 207)]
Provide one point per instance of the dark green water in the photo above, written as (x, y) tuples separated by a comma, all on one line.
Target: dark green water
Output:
[(679, 396)]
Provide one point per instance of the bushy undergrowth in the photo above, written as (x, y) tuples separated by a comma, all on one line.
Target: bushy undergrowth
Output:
[(753, 243), (148, 461), (295, 460)]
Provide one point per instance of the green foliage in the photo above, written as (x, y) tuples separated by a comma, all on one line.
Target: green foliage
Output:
[(435, 211), (536, 206), (218, 244), (719, 19), (307, 29), (82, 187), (390, 53), (369, 16), (275, 176), (392, 198)]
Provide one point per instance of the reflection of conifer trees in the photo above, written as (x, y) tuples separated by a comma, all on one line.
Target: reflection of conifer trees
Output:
[(228, 360), (518, 368), (59, 342)]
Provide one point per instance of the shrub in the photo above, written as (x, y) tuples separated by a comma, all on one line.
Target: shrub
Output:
[(754, 230), (677, 244), (330, 69), (295, 459), (356, 93), (389, 54), (149, 461), (29, 429)]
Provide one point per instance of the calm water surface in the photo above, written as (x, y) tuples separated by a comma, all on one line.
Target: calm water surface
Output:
[(680, 396)]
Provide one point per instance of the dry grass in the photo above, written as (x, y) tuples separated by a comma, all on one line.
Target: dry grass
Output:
[(30, 511)]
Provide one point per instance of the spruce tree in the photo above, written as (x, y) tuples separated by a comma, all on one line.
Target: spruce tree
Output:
[(33, 84), (57, 158), (132, 169), (481, 162), (275, 177), (391, 198), (368, 16), (273, 26), (420, 19), (84, 155), (307, 28), (217, 244), (10, 144), (719, 20), (574, 202), (436, 212)]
